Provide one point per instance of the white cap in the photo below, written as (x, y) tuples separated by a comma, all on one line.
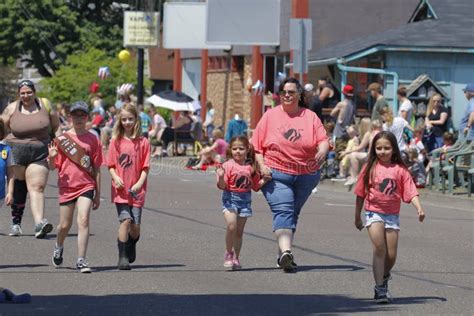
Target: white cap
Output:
[(308, 87)]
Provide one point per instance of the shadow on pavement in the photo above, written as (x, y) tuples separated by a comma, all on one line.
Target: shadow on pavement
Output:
[(213, 304), (7, 266), (139, 267), (342, 267)]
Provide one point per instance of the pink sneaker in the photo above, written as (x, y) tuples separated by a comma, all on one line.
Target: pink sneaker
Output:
[(229, 259), (236, 264)]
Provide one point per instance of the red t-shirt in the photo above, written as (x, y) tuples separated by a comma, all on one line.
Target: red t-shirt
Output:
[(73, 180), (129, 158), (391, 183), (239, 178), (289, 142)]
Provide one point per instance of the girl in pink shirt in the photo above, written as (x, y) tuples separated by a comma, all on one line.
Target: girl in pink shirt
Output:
[(237, 177), (214, 153), (383, 183), (129, 163), (77, 186)]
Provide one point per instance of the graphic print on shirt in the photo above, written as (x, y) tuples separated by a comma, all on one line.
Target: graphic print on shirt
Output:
[(289, 133), (243, 181), (125, 160), (388, 186)]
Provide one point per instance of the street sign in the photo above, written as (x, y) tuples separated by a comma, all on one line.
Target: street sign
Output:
[(298, 27), (300, 43), (243, 22), (184, 26), (140, 29)]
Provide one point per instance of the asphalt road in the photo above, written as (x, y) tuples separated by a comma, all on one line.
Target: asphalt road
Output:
[(179, 262)]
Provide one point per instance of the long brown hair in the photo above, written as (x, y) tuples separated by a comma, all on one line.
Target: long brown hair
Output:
[(119, 130), (372, 160), (250, 159)]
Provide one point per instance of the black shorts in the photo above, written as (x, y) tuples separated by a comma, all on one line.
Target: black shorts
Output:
[(88, 194), (26, 154)]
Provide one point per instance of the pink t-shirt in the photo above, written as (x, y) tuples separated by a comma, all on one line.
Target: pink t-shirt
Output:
[(390, 185), (221, 147), (129, 158), (239, 178), (74, 180), (289, 142)]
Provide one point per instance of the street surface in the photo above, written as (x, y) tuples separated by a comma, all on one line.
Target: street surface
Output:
[(180, 255)]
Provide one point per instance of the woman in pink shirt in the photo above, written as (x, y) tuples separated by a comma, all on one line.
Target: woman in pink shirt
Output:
[(384, 183), (291, 144)]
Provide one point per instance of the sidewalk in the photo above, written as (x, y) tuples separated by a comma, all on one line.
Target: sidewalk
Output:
[(180, 162)]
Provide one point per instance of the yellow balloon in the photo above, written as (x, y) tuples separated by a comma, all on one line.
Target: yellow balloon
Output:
[(124, 56)]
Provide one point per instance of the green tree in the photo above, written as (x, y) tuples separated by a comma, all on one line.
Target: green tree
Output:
[(71, 81), (45, 32)]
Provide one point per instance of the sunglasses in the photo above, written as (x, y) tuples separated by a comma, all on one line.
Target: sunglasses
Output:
[(289, 92), (27, 83), (79, 114)]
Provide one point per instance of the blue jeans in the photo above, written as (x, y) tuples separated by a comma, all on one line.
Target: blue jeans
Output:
[(286, 195)]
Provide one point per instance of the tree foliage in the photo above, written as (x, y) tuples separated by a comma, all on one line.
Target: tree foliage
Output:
[(45, 32), (72, 80)]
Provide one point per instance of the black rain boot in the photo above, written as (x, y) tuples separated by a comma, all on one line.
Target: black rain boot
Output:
[(123, 259), (131, 248)]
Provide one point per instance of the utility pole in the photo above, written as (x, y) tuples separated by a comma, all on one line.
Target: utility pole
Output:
[(140, 66), (141, 63)]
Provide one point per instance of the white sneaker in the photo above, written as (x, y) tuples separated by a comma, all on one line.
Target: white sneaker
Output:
[(351, 181), (315, 190), (15, 230), (83, 266)]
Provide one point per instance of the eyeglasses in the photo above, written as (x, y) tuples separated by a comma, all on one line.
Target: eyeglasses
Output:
[(289, 92), (29, 93)]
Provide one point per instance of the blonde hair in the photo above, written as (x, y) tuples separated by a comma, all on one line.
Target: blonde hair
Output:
[(119, 131), (388, 111), (430, 103), (376, 124), (217, 134)]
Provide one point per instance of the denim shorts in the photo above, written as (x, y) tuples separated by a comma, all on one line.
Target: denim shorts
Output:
[(126, 211), (286, 194), (391, 221), (237, 202)]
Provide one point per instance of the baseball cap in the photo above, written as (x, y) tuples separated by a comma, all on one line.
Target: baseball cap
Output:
[(79, 106), (348, 90), (469, 87), (308, 87)]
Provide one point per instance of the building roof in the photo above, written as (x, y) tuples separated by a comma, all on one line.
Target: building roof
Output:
[(451, 29), (421, 81)]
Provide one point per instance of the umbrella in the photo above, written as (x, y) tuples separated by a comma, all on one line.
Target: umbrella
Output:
[(173, 100)]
